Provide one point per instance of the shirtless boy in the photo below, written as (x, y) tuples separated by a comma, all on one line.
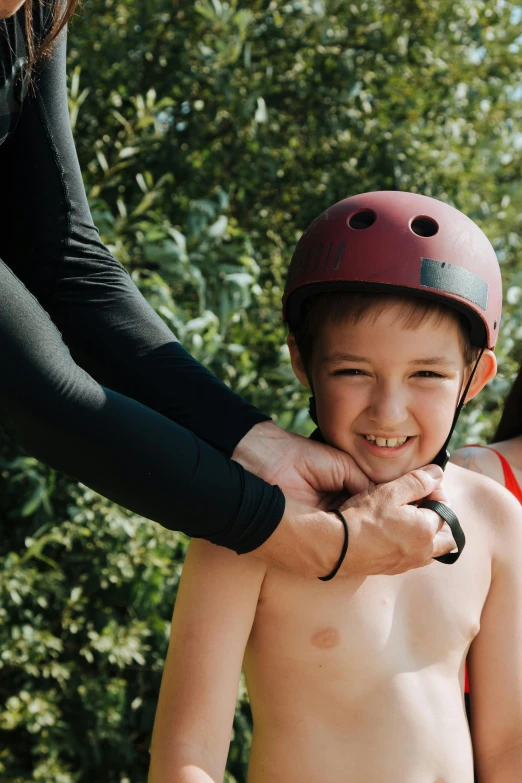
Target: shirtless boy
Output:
[(391, 297)]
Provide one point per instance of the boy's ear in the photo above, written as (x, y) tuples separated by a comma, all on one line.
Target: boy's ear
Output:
[(297, 362), (486, 370)]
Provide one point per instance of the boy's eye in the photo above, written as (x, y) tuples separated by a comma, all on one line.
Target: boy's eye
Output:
[(428, 374), (354, 372), (349, 371)]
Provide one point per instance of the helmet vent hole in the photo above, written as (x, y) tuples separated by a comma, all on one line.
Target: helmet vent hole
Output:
[(362, 220), (424, 226)]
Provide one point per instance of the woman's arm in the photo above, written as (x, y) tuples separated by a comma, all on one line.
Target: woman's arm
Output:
[(495, 658), (215, 610), (126, 451), (131, 453), (48, 238)]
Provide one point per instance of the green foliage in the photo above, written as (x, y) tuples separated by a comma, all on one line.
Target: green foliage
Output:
[(210, 134)]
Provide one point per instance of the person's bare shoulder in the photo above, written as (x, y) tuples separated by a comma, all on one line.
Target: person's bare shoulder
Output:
[(492, 505), (479, 460)]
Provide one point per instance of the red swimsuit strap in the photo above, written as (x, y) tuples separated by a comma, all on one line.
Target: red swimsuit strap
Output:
[(514, 487), (509, 477)]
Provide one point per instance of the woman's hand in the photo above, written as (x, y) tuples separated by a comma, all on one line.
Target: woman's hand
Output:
[(388, 535), (310, 472)]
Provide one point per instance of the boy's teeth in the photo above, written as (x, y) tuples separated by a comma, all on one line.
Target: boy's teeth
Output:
[(390, 443)]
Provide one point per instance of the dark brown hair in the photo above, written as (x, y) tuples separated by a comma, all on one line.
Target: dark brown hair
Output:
[(338, 306), (510, 424), (62, 12)]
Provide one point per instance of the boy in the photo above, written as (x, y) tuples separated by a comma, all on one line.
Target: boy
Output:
[(393, 303)]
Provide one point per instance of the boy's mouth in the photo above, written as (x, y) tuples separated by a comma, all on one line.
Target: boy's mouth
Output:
[(388, 443), (386, 448)]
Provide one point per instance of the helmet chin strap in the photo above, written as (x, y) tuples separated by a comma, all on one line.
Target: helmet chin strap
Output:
[(443, 456), (312, 409)]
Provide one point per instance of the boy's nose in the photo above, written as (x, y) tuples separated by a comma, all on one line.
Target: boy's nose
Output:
[(388, 408)]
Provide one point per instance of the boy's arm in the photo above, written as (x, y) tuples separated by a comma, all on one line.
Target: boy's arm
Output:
[(215, 610), (495, 659)]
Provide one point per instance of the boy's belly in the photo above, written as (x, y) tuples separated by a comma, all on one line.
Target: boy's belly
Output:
[(414, 731)]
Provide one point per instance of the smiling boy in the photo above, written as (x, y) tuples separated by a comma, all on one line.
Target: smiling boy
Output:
[(360, 680)]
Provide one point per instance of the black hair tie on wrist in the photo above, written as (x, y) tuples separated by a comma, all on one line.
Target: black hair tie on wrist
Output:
[(344, 549)]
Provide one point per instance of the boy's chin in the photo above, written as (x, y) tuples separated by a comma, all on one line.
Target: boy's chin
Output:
[(382, 474), (379, 471)]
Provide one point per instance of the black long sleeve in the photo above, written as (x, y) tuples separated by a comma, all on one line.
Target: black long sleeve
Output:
[(49, 238), (142, 452)]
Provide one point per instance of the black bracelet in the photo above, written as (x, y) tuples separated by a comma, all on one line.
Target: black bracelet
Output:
[(344, 549)]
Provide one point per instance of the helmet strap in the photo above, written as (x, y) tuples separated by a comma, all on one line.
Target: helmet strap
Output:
[(312, 409), (443, 456)]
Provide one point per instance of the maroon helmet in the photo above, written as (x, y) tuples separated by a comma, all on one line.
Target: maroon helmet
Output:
[(403, 243)]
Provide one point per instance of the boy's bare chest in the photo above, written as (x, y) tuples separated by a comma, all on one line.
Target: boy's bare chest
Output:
[(374, 627)]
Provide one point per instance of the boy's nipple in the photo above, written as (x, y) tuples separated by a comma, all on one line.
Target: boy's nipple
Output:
[(326, 638)]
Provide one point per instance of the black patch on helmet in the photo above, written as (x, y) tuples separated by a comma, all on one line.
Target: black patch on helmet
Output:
[(454, 280)]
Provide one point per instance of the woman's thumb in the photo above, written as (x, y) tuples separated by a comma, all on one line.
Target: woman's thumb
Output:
[(417, 484)]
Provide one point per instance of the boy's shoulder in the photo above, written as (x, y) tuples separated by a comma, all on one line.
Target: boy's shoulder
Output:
[(499, 513)]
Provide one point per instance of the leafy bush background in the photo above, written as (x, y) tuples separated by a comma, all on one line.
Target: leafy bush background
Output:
[(210, 134)]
